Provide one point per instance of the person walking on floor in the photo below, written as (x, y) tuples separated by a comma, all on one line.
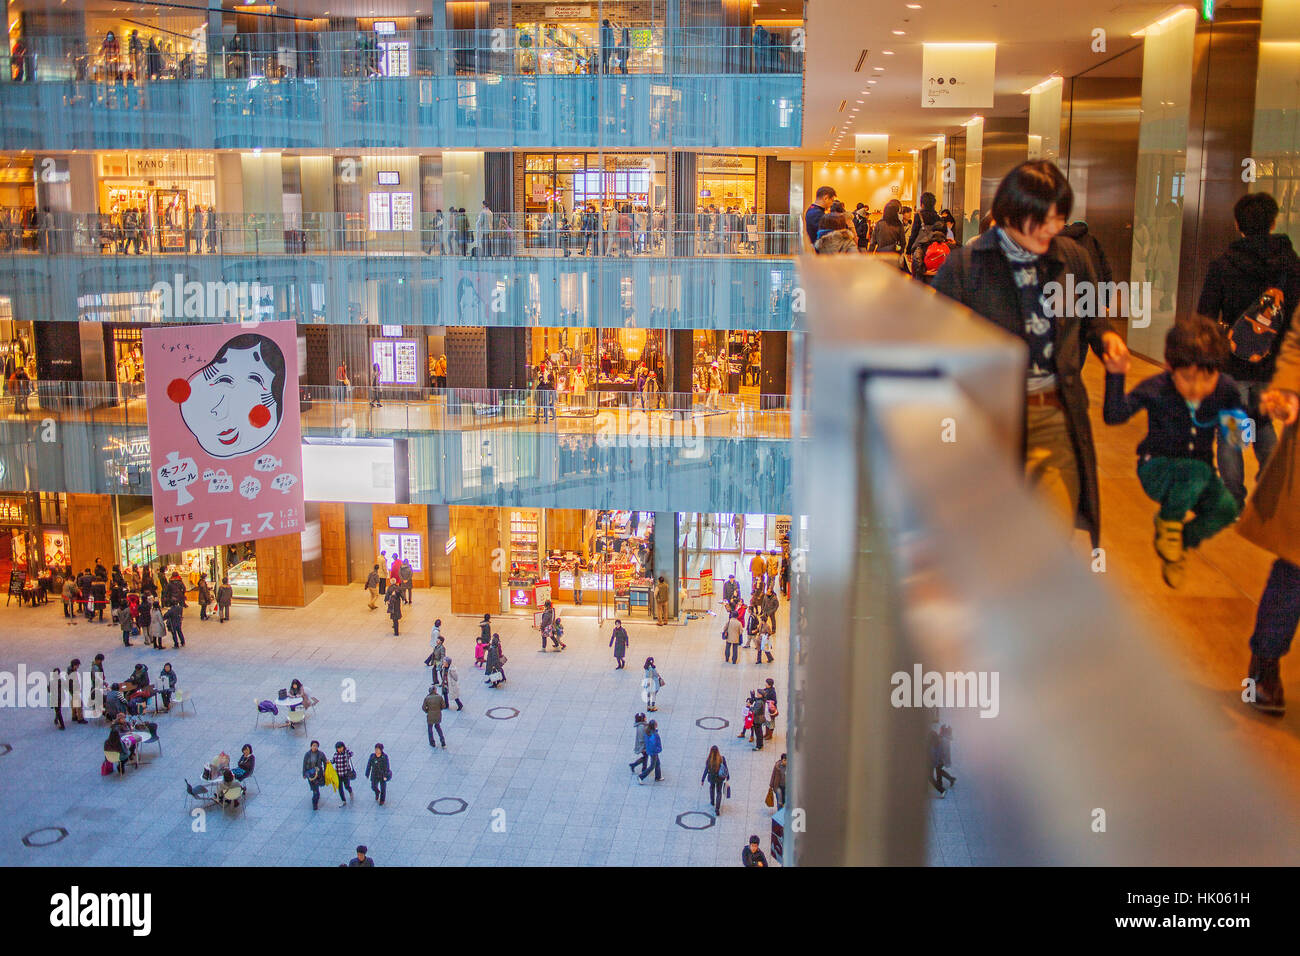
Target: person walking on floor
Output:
[(407, 577), (752, 854), (717, 775), (650, 684), (654, 746), (547, 623), (450, 684), (618, 640), (759, 712), (495, 659), (379, 772), (776, 785), (937, 773), (432, 708), (313, 771), (75, 692), (638, 744), (58, 691), (1272, 521), (764, 645), (395, 607), (342, 761), (173, 619), (439, 651), (205, 597), (224, 595), (732, 635), (661, 600), (771, 603), (127, 625), (372, 587)]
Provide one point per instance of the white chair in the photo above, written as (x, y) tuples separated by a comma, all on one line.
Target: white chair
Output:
[(183, 697), (232, 797), (296, 718), (114, 757), (251, 778)]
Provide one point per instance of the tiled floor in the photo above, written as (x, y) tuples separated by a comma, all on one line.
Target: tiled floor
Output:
[(548, 787)]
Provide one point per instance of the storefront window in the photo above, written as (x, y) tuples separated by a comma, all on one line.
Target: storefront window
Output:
[(727, 184), (565, 185), (17, 205), (148, 201)]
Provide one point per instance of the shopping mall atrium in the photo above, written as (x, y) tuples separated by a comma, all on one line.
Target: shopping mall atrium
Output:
[(694, 363)]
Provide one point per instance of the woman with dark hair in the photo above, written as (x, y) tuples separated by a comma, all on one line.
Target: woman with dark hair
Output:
[(1002, 276), (926, 206), (834, 234), (246, 762), (717, 774), (888, 234)]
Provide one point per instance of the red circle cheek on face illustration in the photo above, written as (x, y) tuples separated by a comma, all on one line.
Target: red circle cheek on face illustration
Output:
[(178, 390), (258, 416)]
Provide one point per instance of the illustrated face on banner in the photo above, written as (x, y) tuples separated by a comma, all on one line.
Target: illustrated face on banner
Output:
[(235, 403)]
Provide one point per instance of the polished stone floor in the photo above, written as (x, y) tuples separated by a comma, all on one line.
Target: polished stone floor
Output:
[(549, 786)]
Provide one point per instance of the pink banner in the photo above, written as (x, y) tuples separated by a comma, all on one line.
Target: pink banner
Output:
[(225, 439)]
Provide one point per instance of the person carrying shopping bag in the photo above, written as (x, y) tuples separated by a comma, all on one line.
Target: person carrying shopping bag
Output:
[(650, 684)]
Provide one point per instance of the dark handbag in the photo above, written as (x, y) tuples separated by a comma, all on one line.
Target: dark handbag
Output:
[(282, 694), (1252, 336), (352, 774), (728, 791)]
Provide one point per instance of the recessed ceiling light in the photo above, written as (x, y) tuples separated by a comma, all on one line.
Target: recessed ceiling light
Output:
[(880, 69), (899, 33), (871, 81), (886, 52), (914, 6), (859, 101)]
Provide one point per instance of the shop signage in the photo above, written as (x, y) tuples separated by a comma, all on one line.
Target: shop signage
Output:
[(568, 11), (957, 75), (390, 177), (403, 212), (401, 522), (381, 213), (542, 594), (225, 437), (390, 331), (450, 546), (385, 26), (521, 597), (706, 582), (17, 581)]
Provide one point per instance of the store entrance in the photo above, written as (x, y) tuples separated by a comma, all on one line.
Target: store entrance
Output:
[(592, 563), (138, 546), (715, 545)]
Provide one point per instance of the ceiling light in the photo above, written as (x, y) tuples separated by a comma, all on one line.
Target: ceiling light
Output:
[(899, 33), (914, 6), (879, 68), (886, 52), (871, 81), (859, 101)]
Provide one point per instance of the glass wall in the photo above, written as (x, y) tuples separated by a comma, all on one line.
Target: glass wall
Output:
[(1161, 171), (1275, 145)]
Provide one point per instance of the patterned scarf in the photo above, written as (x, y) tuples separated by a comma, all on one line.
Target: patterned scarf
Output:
[(1039, 333)]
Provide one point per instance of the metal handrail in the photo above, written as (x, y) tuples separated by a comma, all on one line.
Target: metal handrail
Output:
[(1100, 753)]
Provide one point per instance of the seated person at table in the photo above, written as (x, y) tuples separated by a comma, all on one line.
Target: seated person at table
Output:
[(115, 745), (246, 761), (126, 723), (167, 685), (296, 689), (227, 783), (115, 702), (138, 680)]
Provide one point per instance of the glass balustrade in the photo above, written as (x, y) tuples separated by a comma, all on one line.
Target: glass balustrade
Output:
[(463, 446)]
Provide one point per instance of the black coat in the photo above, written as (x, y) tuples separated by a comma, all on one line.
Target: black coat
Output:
[(1237, 278), (979, 277)]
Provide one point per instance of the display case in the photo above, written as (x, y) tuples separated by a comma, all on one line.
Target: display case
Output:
[(524, 547), (243, 579)]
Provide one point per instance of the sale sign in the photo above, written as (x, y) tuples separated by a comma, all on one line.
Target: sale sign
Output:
[(225, 438)]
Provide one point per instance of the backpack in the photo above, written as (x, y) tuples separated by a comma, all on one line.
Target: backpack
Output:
[(936, 254), (1252, 336)]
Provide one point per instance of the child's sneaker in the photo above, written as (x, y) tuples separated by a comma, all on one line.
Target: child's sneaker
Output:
[(1174, 572), (1169, 540)]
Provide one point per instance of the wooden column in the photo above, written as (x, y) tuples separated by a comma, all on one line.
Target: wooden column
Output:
[(475, 585), (334, 543), (92, 531)]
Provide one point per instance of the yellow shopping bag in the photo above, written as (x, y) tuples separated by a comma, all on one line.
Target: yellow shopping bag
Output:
[(331, 776)]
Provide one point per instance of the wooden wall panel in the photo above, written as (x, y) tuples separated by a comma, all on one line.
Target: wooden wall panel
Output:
[(280, 571), (92, 531), (564, 529), (475, 587), (334, 543), (418, 523)]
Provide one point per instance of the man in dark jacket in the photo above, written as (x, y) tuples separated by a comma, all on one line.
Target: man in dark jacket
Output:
[(925, 216), (172, 618), (1260, 260), (752, 854), (1078, 231), (394, 600), (313, 771), (432, 708), (812, 217), (1002, 277)]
